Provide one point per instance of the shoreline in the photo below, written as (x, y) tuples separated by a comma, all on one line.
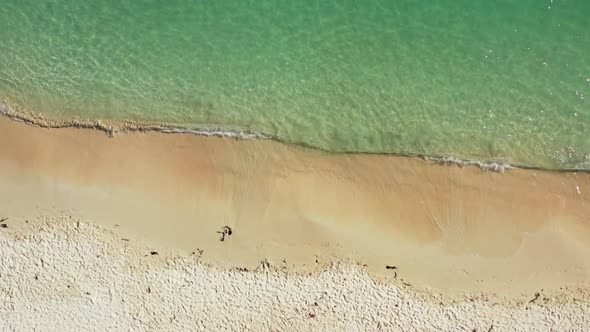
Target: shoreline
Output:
[(112, 128), (452, 229)]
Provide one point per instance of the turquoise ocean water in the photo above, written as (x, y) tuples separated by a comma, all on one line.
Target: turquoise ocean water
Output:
[(488, 80)]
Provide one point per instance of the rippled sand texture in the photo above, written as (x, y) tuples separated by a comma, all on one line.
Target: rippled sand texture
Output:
[(450, 228), (489, 80)]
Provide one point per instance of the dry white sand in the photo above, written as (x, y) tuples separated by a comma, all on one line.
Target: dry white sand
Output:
[(62, 274)]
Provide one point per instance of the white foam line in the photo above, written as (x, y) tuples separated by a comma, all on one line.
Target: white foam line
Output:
[(239, 134), (492, 166)]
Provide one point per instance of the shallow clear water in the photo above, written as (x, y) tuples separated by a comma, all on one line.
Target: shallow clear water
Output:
[(490, 80)]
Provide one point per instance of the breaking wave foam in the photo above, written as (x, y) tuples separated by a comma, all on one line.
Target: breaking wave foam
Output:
[(491, 166)]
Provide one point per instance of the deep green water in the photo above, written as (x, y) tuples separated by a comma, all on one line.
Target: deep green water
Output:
[(489, 80)]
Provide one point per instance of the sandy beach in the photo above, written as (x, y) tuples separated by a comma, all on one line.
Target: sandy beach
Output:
[(64, 274), (393, 225)]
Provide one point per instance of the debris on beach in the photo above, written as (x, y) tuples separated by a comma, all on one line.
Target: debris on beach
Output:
[(391, 267), (264, 265), (225, 230), (537, 294)]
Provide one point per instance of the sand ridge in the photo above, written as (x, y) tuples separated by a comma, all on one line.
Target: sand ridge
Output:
[(445, 227)]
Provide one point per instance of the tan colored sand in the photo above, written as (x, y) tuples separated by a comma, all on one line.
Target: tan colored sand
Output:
[(64, 274), (445, 227)]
